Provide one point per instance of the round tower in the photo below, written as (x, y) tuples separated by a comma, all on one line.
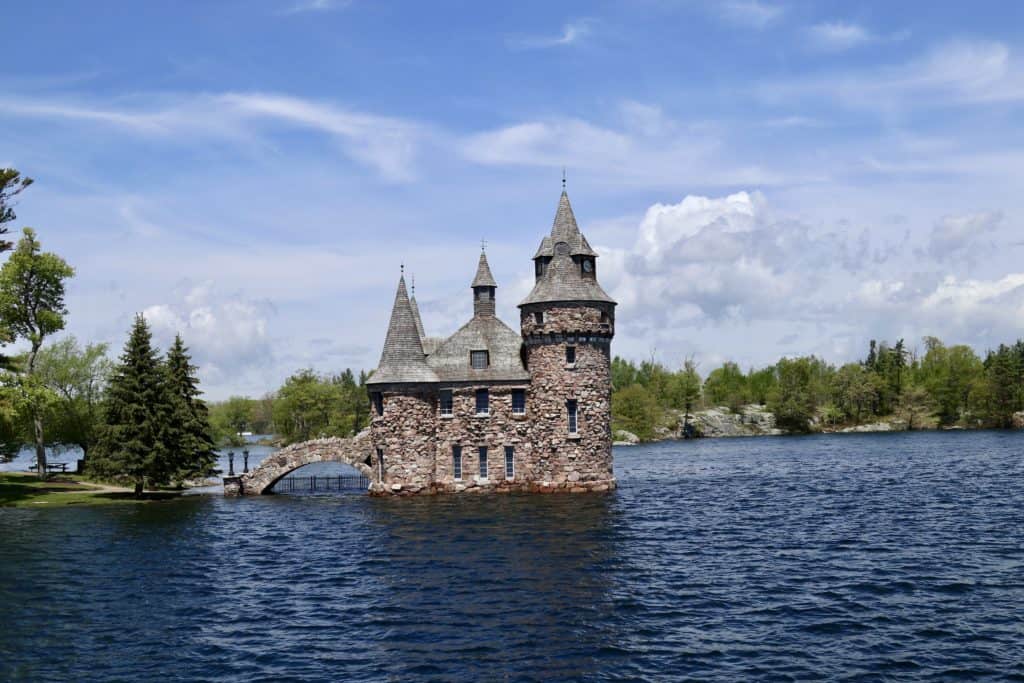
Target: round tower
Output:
[(567, 323)]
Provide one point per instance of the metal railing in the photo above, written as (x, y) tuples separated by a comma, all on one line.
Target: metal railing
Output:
[(341, 482)]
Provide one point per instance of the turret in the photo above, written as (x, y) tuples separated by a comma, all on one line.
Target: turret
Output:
[(483, 288), (567, 324)]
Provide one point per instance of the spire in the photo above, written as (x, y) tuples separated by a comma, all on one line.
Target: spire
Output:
[(483, 273), (561, 259), (403, 359), (416, 311)]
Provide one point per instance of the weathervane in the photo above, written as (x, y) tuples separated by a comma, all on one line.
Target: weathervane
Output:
[(563, 179)]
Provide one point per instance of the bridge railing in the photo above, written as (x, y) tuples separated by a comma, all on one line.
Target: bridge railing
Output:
[(342, 482)]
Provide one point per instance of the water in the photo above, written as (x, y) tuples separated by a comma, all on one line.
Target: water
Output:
[(859, 557)]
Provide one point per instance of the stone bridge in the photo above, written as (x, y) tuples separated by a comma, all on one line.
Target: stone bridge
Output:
[(355, 451)]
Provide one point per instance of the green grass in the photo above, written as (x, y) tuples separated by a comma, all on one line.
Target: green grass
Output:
[(22, 489)]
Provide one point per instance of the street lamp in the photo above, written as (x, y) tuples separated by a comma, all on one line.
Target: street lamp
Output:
[(231, 463), (245, 460)]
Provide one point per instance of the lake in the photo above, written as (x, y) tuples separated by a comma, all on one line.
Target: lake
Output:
[(846, 557)]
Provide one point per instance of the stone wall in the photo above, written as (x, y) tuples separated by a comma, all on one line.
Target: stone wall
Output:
[(406, 434), (563, 318)]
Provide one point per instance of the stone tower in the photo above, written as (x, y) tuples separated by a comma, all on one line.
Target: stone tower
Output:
[(567, 324)]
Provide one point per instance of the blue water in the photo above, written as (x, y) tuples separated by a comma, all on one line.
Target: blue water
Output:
[(854, 557)]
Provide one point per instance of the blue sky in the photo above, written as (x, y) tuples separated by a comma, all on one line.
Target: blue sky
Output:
[(761, 178)]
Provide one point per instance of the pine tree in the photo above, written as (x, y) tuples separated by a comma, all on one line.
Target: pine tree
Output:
[(134, 435), (190, 438)]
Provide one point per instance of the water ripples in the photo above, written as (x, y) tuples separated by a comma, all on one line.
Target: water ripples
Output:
[(867, 557)]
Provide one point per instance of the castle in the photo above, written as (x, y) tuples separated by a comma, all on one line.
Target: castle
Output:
[(489, 409)]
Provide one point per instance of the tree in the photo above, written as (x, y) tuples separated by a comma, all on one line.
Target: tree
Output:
[(305, 407), (32, 308), (12, 183), (190, 438), (133, 440), (230, 418), (635, 410), (78, 377), (727, 386), (853, 390), (915, 405), (802, 387)]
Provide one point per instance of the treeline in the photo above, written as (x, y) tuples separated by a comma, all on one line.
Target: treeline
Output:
[(139, 420), (944, 386), (307, 406)]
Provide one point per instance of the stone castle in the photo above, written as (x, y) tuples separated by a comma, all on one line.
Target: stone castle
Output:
[(490, 409)]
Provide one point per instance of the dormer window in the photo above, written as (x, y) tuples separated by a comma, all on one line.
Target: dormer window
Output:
[(479, 360), (588, 266), (539, 268)]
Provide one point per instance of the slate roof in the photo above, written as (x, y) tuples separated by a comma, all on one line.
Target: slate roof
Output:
[(402, 360), (484, 332), (483, 274), (562, 280), (416, 316)]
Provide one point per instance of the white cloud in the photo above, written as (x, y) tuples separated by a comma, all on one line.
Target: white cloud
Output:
[(387, 144), (751, 13), (572, 33), (952, 235), (838, 35), (226, 333), (955, 72)]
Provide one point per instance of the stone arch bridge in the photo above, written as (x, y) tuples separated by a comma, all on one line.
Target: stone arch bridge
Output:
[(355, 451)]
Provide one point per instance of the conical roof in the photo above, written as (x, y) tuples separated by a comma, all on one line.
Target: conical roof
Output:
[(483, 274), (402, 360), (562, 280), (565, 229), (416, 315)]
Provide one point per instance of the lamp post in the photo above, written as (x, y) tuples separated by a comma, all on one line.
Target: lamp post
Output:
[(245, 461), (231, 463)]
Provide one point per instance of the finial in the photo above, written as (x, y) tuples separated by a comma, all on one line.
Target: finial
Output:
[(414, 284), (483, 245), (402, 268), (563, 179)]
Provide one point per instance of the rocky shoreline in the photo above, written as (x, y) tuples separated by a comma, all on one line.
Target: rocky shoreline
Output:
[(754, 420)]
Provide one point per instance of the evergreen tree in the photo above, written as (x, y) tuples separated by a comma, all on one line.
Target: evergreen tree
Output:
[(134, 435), (189, 436)]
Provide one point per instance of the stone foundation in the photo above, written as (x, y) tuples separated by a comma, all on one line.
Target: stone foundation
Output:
[(472, 486)]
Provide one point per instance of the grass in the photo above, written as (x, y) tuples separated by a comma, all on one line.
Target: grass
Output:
[(23, 489)]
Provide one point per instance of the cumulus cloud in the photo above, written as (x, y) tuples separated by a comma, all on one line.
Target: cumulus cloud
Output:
[(953, 235), (227, 333), (728, 275)]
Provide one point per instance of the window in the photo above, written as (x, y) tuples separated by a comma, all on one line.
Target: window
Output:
[(540, 267), (446, 402), (538, 318), (572, 408), (457, 462), (483, 462), (510, 462), (604, 316), (478, 360), (380, 463), (519, 401), (570, 355), (483, 402), (378, 403)]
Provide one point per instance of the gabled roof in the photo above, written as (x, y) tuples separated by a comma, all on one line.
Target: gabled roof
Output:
[(402, 360), (562, 279), (450, 362), (483, 274)]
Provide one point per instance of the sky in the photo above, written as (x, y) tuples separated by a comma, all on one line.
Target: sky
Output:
[(761, 178)]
